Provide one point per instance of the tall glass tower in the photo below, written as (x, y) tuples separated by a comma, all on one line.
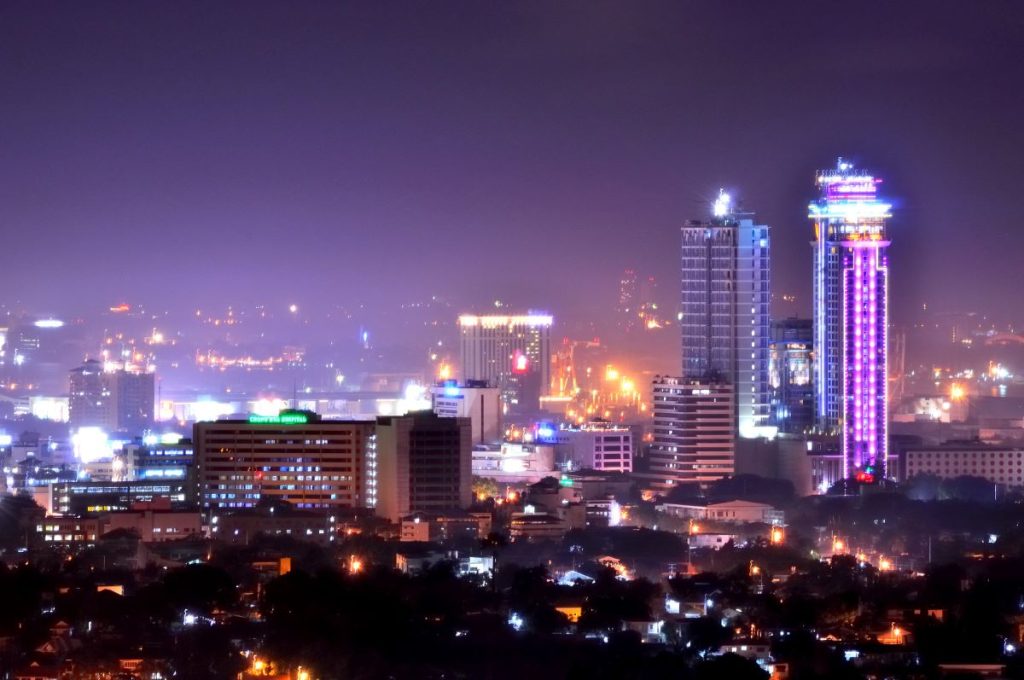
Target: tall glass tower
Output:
[(726, 322), (851, 282)]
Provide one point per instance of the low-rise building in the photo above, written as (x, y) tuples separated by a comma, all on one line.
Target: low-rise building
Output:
[(445, 527), (596, 445), (998, 464)]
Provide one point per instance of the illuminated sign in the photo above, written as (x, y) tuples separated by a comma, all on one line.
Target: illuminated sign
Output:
[(280, 419)]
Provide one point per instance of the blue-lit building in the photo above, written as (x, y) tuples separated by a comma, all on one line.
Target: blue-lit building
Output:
[(157, 462), (789, 375), (726, 298)]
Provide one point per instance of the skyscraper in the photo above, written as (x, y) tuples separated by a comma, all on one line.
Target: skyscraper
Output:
[(725, 328), (851, 280), (726, 320), (111, 399), (512, 353)]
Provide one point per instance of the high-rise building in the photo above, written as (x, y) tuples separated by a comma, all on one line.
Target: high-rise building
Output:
[(424, 464), (510, 352), (134, 395), (629, 294), (91, 402), (725, 331), (789, 375), (851, 274), (725, 319), (113, 400), (295, 457), (694, 432)]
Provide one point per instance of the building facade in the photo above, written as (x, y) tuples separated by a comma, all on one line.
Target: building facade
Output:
[(475, 400), (112, 400), (1002, 465), (597, 445), (789, 375), (510, 352), (725, 322), (294, 457), (694, 432), (851, 281), (424, 464)]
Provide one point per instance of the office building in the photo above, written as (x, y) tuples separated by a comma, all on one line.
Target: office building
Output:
[(694, 434), (789, 375), (510, 352), (112, 400), (851, 278), (725, 316), (156, 461), (725, 331), (596, 445), (424, 464), (91, 402), (134, 398), (295, 457), (85, 498), (475, 400)]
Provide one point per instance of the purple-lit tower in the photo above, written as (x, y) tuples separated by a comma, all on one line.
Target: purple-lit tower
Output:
[(851, 283)]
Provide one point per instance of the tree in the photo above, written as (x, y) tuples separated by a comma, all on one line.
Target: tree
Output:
[(484, 487)]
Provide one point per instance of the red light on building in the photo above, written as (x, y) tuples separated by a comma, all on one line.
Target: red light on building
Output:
[(521, 363)]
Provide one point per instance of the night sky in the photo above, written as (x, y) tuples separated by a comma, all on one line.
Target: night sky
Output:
[(184, 154)]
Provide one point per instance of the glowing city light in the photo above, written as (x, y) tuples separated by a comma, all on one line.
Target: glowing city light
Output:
[(280, 419), (49, 323), (722, 204)]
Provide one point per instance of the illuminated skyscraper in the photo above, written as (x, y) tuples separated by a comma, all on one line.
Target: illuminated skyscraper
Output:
[(725, 327), (726, 323), (851, 277), (512, 353)]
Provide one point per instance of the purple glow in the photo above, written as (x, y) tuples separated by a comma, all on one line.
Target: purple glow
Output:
[(865, 320)]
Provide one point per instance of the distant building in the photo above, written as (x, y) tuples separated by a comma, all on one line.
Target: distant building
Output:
[(474, 399), (789, 375), (116, 400), (94, 498), (514, 462), (155, 526), (424, 527), (295, 457), (424, 463), (511, 352), (91, 402), (158, 462), (597, 445), (1002, 465), (694, 435)]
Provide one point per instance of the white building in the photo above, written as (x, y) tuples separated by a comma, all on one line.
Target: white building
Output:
[(511, 352), (475, 400)]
